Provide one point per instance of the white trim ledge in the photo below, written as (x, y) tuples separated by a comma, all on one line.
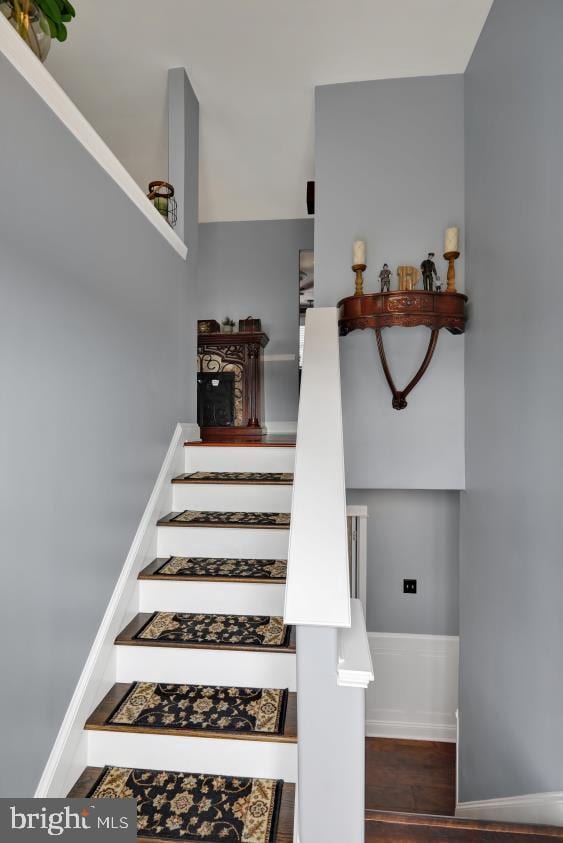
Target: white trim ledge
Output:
[(38, 77), (355, 668), (540, 808)]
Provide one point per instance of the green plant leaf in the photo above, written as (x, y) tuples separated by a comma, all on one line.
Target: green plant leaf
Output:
[(52, 27), (51, 10), (61, 32)]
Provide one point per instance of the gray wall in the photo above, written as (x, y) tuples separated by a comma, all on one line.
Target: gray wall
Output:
[(511, 687), (252, 268), (411, 535), (95, 371), (389, 169)]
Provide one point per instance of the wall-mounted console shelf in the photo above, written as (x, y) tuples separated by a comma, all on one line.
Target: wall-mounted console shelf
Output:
[(406, 309)]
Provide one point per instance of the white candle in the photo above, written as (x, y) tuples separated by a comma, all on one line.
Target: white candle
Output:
[(359, 252), (451, 239)]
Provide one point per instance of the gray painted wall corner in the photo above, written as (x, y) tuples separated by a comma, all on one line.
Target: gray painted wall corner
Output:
[(511, 577)]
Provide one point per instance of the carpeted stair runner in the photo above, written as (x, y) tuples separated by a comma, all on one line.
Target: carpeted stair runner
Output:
[(196, 518), (213, 568), (255, 478), (201, 707), (238, 630), (192, 807)]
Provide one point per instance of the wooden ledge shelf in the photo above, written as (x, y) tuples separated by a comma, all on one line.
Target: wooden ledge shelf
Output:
[(403, 309)]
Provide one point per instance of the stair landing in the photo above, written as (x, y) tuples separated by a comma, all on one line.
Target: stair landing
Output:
[(268, 441)]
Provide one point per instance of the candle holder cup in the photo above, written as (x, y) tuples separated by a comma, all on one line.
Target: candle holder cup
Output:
[(359, 269), (451, 257)]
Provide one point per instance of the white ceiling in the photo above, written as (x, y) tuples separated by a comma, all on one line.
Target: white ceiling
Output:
[(254, 65)]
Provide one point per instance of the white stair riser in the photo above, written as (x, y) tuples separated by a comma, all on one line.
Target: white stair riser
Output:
[(240, 542), (194, 755), (226, 498), (210, 597), (209, 458), (205, 667)]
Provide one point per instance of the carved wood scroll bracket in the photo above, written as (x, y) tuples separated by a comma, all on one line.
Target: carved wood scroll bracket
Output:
[(400, 396), (407, 310)]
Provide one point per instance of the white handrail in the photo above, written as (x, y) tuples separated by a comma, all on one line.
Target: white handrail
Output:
[(318, 589)]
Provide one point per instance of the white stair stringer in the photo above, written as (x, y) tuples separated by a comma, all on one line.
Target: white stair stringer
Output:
[(232, 498), (225, 598), (178, 665), (239, 458), (225, 756), (236, 542)]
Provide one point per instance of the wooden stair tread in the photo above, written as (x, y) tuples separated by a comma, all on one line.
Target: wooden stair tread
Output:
[(386, 826), (284, 833), (236, 478), (267, 441), (98, 722), (127, 637), (150, 573), (244, 521)]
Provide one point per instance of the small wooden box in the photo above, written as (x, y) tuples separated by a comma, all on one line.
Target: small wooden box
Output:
[(208, 326), (249, 325)]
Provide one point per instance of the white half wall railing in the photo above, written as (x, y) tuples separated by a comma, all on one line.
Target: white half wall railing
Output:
[(333, 658), (16, 51)]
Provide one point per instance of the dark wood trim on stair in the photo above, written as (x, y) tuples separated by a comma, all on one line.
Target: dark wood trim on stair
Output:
[(386, 826), (149, 574), (114, 697), (268, 441), (126, 637), (168, 521), (284, 832)]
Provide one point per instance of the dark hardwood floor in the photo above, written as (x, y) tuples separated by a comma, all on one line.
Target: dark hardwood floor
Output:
[(409, 781), (413, 776)]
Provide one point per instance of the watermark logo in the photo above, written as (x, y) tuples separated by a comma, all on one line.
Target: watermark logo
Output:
[(71, 820)]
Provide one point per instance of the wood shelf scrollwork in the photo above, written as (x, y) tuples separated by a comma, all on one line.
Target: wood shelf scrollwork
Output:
[(406, 309)]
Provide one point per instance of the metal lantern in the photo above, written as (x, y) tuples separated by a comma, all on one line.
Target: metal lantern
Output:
[(161, 194)]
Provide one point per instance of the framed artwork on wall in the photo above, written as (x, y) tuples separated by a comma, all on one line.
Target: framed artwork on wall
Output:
[(306, 293)]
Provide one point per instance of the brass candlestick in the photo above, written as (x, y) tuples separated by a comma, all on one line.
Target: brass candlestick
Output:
[(359, 269), (451, 257)]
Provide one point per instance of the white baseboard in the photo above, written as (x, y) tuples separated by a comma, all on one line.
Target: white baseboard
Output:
[(541, 808), (402, 730), (415, 691), (280, 427), (68, 756)]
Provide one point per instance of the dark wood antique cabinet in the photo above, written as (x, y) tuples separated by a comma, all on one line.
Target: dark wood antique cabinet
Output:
[(231, 386)]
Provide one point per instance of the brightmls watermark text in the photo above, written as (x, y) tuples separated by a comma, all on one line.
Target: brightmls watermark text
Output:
[(69, 820)]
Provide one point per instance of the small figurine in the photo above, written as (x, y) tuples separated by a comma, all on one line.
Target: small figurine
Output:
[(429, 272), (385, 278), (409, 276), (438, 287)]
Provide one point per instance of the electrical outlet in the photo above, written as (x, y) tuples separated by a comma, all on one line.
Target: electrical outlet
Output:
[(409, 586)]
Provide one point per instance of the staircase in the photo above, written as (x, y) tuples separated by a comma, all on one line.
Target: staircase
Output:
[(201, 724)]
